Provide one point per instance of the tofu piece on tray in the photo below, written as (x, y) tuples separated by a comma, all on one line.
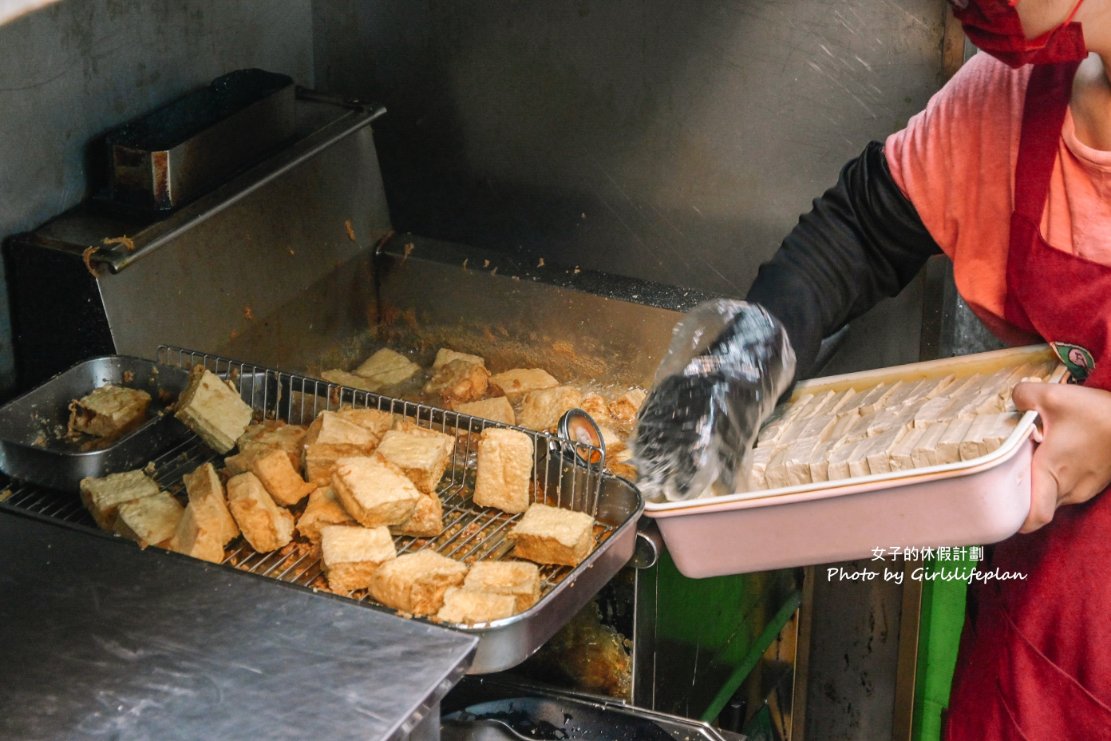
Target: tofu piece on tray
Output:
[(108, 411), (427, 519), (149, 520), (351, 554), (422, 454), (519, 579), (503, 470), (415, 583), (212, 408), (469, 606), (323, 509), (265, 525), (554, 535), (103, 496), (208, 501), (280, 478), (332, 436), (374, 491)]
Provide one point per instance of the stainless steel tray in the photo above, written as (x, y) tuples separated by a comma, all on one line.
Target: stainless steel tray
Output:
[(33, 442), (470, 532)]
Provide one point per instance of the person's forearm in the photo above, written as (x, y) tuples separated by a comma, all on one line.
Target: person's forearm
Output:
[(862, 241)]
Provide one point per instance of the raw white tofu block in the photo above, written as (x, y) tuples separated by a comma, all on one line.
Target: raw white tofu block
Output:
[(758, 466), (901, 456), (949, 444), (986, 433), (871, 399), (797, 461), (776, 471), (879, 456), (819, 462), (925, 452)]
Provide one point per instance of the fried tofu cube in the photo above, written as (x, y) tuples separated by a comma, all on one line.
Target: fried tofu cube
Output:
[(386, 368), (459, 381), (374, 491), (241, 462), (273, 434), (212, 408), (280, 478), (149, 520), (209, 503), (518, 579), (344, 378), (331, 437), (265, 525), (504, 470), (108, 411), (422, 454), (468, 606), (415, 583), (624, 409), (191, 539), (547, 534), (427, 520), (351, 554), (375, 421), (519, 381), (596, 407), (445, 356), (542, 409), (323, 509), (498, 409), (103, 496)]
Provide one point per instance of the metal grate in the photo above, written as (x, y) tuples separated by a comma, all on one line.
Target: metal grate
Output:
[(565, 473)]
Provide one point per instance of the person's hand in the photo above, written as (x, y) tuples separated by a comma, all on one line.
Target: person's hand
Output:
[(728, 363), (1072, 463)]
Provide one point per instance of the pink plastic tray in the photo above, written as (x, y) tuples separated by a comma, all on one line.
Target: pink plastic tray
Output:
[(974, 502)]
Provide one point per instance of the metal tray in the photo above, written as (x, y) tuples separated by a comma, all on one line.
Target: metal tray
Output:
[(973, 502), (471, 532), (33, 442)]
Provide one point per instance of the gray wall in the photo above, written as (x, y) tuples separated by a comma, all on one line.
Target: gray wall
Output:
[(670, 141), (72, 71)]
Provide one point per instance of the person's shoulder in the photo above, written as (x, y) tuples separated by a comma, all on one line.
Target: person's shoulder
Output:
[(984, 80)]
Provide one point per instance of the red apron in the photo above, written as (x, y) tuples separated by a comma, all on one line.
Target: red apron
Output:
[(1035, 655)]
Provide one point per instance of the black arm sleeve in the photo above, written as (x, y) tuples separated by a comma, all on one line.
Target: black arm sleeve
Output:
[(862, 241)]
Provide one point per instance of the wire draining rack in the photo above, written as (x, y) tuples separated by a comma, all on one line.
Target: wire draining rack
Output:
[(565, 473)]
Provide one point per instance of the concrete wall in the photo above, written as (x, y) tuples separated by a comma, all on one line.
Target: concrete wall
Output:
[(71, 71)]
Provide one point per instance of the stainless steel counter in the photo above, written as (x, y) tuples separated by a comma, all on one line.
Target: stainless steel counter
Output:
[(102, 640)]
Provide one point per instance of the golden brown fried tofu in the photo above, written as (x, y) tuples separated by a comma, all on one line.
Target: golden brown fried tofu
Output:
[(273, 434), (374, 491), (445, 356), (468, 606), (209, 503), (415, 582), (518, 579), (422, 454), (427, 519), (265, 525), (108, 411), (351, 554), (504, 470), (280, 478), (519, 381), (547, 534), (542, 409), (103, 496), (323, 509), (212, 408), (375, 421), (386, 368), (343, 378), (624, 409), (193, 540), (331, 437), (149, 520)]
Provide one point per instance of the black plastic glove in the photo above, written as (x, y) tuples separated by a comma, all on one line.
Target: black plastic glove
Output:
[(728, 364)]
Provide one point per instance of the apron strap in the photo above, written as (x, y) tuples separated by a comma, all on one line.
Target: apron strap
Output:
[(1047, 102)]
